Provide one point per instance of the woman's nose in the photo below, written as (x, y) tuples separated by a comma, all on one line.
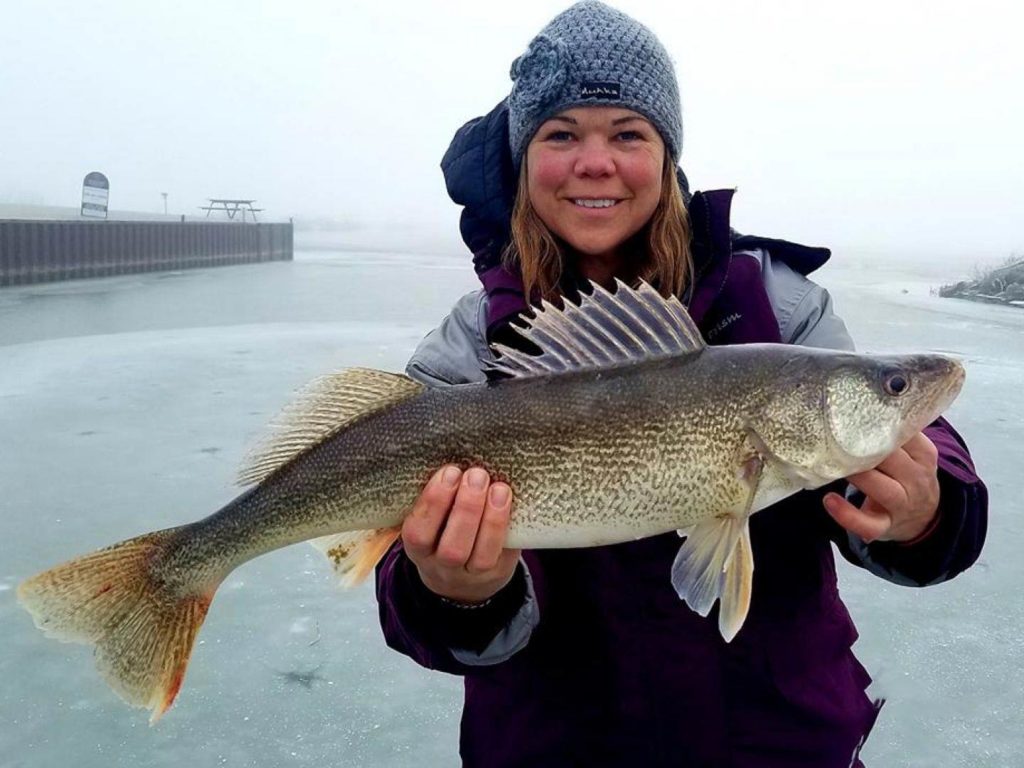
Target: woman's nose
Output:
[(594, 159)]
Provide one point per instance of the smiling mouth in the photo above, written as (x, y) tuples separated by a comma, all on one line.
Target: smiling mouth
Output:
[(595, 203)]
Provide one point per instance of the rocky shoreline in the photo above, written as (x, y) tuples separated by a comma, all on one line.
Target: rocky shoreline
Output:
[(1003, 285)]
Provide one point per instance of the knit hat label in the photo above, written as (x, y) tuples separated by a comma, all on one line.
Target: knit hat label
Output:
[(610, 91)]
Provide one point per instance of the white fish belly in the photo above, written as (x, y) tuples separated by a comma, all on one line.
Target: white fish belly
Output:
[(643, 499)]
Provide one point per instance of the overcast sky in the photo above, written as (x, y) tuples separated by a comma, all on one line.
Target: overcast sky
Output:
[(875, 125)]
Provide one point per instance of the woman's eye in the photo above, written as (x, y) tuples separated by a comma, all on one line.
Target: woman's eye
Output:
[(630, 136), (559, 136)]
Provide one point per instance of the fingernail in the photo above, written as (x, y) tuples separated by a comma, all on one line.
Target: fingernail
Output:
[(451, 476), (476, 478), (499, 494), (830, 500)]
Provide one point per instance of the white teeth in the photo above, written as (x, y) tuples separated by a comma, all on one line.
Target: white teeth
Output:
[(596, 203)]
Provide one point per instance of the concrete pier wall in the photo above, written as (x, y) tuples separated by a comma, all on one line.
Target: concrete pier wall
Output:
[(44, 251)]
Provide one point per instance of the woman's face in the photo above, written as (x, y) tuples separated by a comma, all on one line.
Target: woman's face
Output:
[(594, 177)]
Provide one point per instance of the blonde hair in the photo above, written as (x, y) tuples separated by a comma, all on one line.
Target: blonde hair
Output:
[(663, 244)]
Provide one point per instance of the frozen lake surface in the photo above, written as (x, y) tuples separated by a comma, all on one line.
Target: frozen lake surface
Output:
[(127, 404)]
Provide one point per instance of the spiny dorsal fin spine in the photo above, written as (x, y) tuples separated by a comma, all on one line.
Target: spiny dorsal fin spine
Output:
[(605, 329), (593, 334), (604, 298), (575, 345), (643, 337), (517, 357), (544, 338), (677, 313), (646, 313)]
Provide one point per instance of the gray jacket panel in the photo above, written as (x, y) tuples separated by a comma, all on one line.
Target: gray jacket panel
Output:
[(452, 353), (513, 638), (802, 308)]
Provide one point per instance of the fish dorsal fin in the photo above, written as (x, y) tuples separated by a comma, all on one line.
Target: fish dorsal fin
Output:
[(604, 330), (326, 405)]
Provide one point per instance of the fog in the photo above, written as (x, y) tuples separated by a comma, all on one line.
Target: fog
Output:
[(890, 127)]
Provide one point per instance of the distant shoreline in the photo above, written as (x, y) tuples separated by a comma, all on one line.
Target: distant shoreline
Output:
[(1002, 285)]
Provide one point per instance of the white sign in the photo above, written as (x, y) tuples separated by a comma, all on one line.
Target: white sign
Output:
[(95, 194)]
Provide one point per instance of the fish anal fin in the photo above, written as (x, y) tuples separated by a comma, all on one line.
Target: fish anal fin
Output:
[(354, 554), (326, 405)]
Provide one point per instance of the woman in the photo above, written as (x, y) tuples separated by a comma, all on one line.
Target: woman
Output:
[(588, 657)]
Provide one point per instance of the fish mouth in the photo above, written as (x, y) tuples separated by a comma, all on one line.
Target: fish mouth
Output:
[(951, 373), (957, 377), (944, 377)]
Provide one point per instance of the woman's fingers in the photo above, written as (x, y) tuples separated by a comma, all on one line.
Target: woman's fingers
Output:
[(897, 465), (422, 526), (867, 523), (456, 543), (490, 537), (922, 450), (455, 535), (882, 488)]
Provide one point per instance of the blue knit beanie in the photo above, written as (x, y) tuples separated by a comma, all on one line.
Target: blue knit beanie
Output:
[(593, 55)]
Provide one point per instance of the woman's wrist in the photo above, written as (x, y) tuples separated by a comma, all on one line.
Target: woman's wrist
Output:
[(925, 532), (457, 624), (472, 597)]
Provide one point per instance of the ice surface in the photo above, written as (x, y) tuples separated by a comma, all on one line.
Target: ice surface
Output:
[(126, 405), (946, 657)]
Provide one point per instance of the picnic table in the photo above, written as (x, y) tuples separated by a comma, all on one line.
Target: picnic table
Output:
[(231, 207)]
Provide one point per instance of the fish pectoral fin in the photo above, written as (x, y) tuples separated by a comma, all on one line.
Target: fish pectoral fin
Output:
[(751, 468), (354, 554), (716, 562), (803, 477)]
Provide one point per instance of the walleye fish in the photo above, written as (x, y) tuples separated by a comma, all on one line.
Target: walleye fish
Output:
[(624, 426)]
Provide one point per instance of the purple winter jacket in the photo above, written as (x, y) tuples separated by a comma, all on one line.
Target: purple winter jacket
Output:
[(618, 671)]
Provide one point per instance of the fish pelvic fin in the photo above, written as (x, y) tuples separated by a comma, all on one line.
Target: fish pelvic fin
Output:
[(327, 405), (716, 562), (354, 554), (143, 630)]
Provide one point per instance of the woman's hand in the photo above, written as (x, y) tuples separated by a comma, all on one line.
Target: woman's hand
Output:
[(902, 495), (455, 535)]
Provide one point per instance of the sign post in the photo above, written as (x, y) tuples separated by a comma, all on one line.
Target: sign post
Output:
[(95, 193)]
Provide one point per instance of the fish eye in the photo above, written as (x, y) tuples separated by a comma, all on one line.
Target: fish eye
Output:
[(895, 382)]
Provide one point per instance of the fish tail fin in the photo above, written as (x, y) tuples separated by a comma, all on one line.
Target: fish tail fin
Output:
[(716, 562), (143, 629), (354, 554)]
